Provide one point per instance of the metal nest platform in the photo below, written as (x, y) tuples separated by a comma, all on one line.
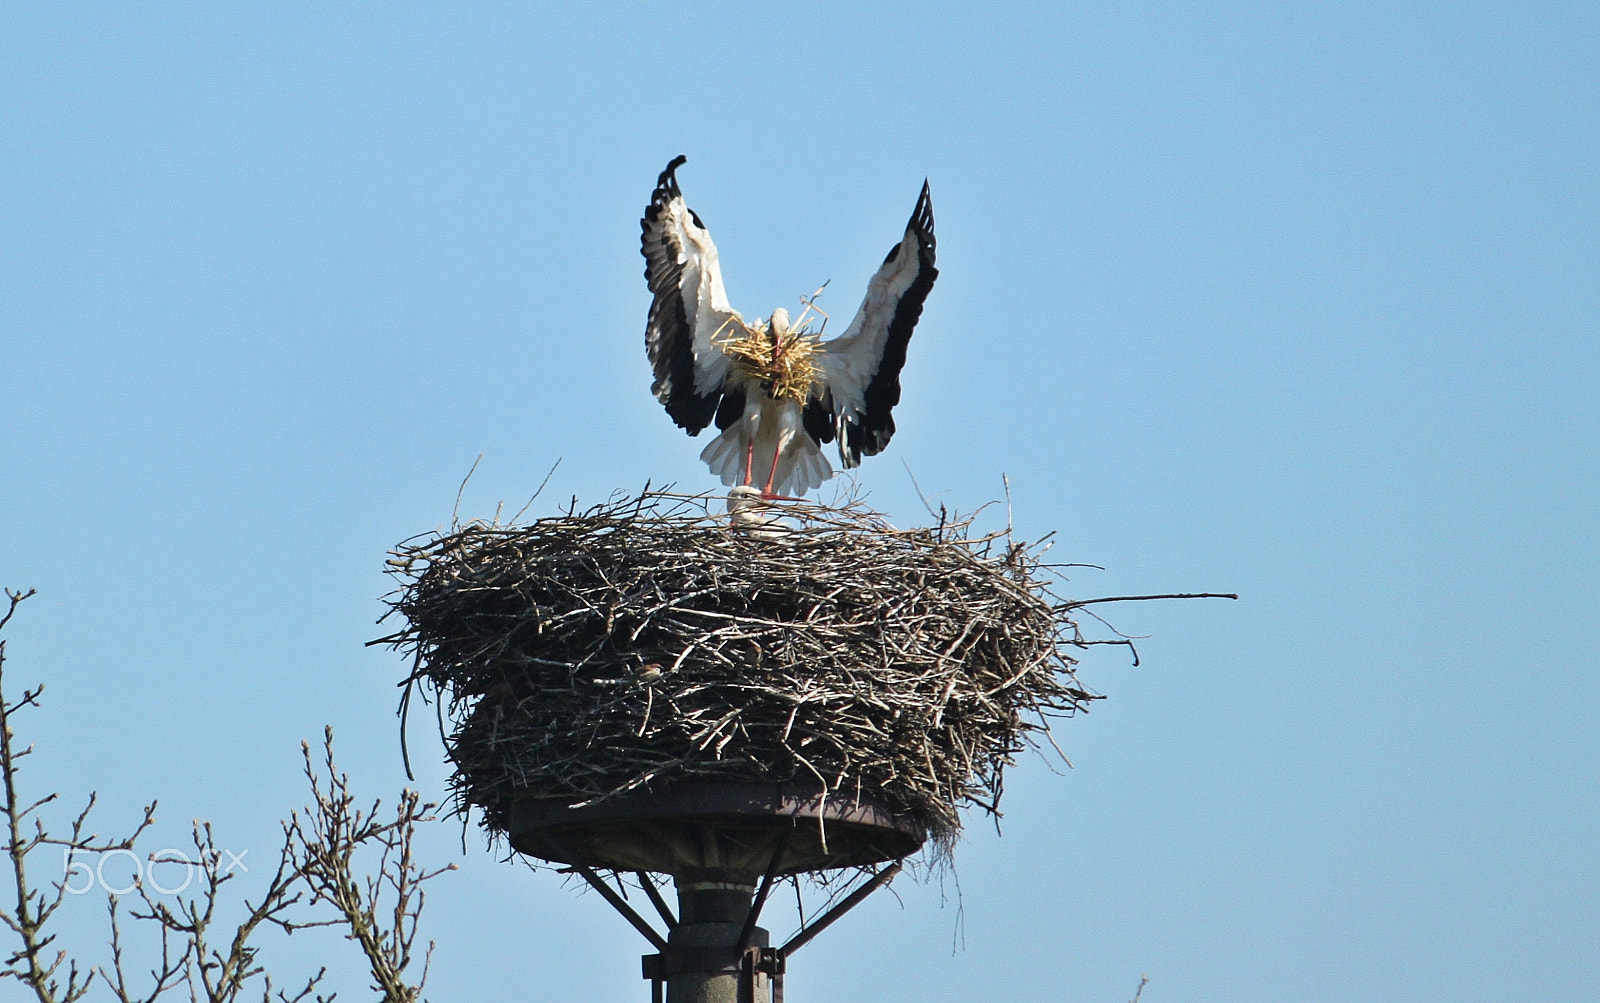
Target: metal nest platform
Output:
[(724, 845), (698, 828)]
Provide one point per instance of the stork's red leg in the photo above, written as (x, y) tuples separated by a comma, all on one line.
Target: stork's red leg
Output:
[(766, 492), (750, 460)]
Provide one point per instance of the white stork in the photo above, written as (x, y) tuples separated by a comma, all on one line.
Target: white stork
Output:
[(774, 389)]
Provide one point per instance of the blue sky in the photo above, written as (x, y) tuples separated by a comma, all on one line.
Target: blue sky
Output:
[(1300, 302)]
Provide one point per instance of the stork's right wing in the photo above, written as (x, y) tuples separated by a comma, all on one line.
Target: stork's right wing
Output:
[(861, 367), (690, 308)]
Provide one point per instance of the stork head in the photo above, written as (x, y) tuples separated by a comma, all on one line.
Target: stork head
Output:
[(743, 498), (778, 327)]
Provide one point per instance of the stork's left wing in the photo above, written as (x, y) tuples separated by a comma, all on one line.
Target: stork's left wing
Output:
[(861, 368), (689, 309)]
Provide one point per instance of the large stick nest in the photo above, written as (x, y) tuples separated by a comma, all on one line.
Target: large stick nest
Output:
[(645, 641)]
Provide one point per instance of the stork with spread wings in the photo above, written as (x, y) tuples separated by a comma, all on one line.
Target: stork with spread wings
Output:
[(775, 391)]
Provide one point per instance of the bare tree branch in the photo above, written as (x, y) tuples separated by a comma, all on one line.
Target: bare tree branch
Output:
[(218, 962), (32, 963), (382, 910)]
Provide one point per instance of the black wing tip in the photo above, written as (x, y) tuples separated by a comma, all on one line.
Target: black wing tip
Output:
[(666, 190), (667, 182), (921, 222)]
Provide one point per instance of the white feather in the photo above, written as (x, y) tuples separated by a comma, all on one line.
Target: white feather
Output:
[(777, 428), (725, 455)]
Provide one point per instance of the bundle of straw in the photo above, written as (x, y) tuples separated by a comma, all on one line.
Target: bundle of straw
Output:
[(786, 369)]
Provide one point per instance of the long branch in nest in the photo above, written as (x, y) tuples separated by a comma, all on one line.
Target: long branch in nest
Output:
[(643, 642)]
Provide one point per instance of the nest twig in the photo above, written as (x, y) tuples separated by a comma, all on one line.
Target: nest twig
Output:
[(643, 642)]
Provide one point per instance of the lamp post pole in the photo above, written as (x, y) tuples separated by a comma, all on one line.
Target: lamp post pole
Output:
[(705, 961)]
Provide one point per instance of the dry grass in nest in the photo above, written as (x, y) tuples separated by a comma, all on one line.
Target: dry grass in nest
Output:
[(642, 642)]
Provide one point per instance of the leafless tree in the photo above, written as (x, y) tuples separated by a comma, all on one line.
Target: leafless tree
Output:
[(318, 881), (381, 910)]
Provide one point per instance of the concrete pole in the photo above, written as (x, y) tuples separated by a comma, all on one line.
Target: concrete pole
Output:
[(712, 908)]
